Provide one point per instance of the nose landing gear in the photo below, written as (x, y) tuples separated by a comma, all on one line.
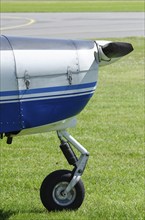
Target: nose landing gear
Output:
[(64, 189)]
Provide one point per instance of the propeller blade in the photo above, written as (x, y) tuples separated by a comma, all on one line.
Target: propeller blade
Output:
[(117, 49)]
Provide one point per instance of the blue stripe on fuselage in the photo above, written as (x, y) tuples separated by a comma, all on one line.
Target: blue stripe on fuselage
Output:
[(49, 89), (39, 112), (31, 113)]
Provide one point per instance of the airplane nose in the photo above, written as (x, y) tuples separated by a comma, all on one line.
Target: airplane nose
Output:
[(117, 49)]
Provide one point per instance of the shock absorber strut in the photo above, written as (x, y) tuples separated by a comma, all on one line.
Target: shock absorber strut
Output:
[(68, 153), (80, 163)]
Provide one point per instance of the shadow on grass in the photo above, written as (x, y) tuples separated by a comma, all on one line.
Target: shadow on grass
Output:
[(5, 215)]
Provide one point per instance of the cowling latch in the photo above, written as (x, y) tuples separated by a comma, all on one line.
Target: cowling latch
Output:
[(69, 75), (27, 80)]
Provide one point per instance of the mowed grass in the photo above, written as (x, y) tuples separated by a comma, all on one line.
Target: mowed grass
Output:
[(72, 6), (111, 127)]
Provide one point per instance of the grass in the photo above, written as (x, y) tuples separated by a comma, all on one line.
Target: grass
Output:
[(111, 127), (72, 6)]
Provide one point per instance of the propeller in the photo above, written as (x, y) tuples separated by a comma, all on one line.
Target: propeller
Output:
[(117, 49)]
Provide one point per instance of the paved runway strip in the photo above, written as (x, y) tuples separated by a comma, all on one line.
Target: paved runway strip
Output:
[(73, 25)]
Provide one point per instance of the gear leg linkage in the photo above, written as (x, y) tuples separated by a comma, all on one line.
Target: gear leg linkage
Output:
[(80, 163)]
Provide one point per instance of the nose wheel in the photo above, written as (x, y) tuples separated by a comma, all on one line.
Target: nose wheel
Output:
[(64, 189), (53, 195)]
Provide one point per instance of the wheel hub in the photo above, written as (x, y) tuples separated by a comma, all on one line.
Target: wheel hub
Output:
[(62, 198)]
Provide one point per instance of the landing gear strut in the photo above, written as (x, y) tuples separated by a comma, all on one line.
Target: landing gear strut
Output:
[(63, 189)]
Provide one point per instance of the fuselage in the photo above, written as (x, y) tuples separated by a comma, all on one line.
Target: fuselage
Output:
[(44, 81)]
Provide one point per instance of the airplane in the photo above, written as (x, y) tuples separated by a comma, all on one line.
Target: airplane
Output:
[(44, 84)]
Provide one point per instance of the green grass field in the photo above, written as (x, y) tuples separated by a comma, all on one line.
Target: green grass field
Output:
[(111, 127), (72, 6)]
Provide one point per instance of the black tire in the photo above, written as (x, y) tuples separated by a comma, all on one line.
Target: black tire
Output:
[(52, 188)]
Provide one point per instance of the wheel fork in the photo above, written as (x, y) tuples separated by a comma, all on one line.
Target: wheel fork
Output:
[(80, 163)]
